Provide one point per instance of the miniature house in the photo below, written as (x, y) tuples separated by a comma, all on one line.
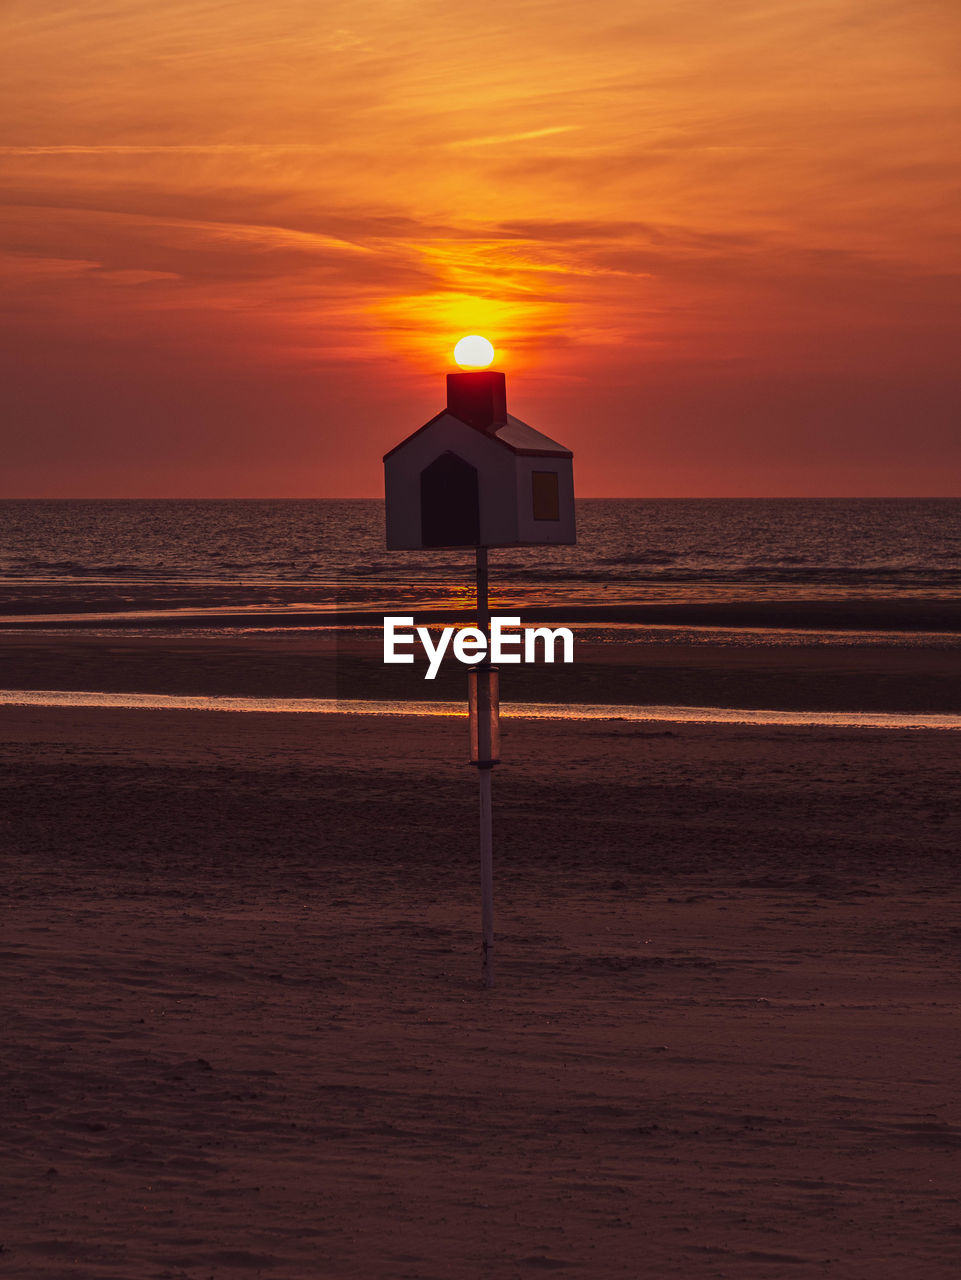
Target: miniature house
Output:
[(475, 476)]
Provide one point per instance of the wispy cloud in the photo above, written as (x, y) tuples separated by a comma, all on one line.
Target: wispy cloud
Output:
[(174, 148), (746, 185), (499, 139)]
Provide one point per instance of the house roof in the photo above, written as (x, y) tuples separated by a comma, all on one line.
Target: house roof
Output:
[(512, 434)]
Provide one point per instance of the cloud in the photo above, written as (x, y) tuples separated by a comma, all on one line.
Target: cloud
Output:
[(302, 189), (499, 139)]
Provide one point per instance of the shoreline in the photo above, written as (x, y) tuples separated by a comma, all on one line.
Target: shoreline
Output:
[(324, 665), (598, 713), (902, 615)]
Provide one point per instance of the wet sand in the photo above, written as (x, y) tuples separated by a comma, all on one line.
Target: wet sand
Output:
[(243, 1032), (26, 608), (321, 664)]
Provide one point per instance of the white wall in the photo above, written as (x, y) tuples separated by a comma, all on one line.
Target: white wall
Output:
[(504, 479), (495, 475), (529, 530)]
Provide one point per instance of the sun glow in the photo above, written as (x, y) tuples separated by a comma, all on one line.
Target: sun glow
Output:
[(474, 352)]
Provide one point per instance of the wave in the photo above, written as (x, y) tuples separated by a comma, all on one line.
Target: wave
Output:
[(300, 548)]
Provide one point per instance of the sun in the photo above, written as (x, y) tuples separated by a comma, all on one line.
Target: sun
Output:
[(474, 352)]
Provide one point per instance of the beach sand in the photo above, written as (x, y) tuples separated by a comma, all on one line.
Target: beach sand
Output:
[(318, 664), (244, 1033)]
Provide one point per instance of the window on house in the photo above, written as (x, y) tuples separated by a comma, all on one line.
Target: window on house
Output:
[(545, 495)]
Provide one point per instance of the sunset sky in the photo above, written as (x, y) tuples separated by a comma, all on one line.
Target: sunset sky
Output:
[(715, 244)]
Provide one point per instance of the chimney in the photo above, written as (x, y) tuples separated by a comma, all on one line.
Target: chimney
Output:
[(478, 397)]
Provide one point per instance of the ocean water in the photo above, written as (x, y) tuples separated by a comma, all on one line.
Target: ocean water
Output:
[(99, 557)]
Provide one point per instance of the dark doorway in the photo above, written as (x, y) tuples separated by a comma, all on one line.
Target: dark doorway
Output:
[(449, 503)]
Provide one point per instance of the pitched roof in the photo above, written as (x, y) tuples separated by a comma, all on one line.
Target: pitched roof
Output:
[(512, 434), (521, 438)]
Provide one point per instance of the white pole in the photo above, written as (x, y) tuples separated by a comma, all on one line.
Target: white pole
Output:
[(487, 876), (484, 781)]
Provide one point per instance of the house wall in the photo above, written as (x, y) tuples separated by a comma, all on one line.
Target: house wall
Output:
[(529, 530), (495, 474)]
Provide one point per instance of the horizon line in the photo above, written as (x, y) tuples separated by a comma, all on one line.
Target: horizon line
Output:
[(720, 497)]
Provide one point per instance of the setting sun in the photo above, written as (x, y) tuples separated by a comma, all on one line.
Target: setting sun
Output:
[(716, 244), (474, 352)]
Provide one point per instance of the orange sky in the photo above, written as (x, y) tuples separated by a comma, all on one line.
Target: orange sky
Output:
[(715, 244)]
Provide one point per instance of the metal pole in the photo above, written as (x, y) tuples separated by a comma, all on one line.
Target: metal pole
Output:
[(484, 780), (483, 607), (487, 876)]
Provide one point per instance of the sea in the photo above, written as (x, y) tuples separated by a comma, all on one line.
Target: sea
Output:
[(264, 564)]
